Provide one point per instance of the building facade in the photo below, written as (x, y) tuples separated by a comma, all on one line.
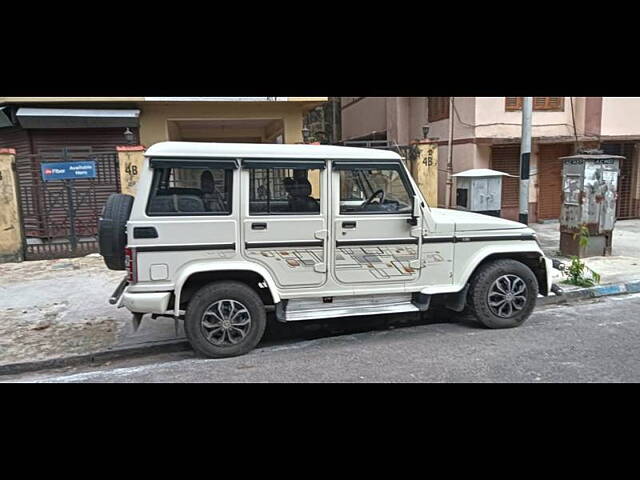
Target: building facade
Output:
[(486, 134), (60, 218)]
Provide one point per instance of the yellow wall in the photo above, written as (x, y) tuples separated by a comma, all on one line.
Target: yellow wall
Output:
[(425, 172), (154, 116), (131, 160), (10, 223)]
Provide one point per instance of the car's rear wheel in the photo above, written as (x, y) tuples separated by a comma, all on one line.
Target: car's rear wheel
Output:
[(503, 294), (225, 319)]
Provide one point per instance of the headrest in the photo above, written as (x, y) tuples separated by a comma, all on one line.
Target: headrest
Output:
[(300, 188), (207, 182)]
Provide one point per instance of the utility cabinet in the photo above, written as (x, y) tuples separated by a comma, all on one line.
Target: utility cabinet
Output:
[(480, 191), (589, 197)]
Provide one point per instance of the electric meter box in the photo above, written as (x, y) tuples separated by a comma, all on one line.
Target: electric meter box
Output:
[(589, 200), (480, 191)]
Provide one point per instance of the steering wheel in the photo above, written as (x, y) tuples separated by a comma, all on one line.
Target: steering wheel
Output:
[(377, 193)]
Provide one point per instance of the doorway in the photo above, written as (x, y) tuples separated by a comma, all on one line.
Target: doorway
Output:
[(550, 179), (265, 130)]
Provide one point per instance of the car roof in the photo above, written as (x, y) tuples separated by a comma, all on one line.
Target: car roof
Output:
[(186, 150)]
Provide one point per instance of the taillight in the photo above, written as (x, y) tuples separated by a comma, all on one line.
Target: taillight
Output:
[(130, 264)]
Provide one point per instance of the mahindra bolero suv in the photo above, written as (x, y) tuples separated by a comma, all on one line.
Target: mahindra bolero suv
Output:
[(219, 235)]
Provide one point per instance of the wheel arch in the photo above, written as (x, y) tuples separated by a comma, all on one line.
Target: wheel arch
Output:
[(195, 275), (532, 258)]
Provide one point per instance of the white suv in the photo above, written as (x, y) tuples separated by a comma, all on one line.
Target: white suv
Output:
[(220, 234)]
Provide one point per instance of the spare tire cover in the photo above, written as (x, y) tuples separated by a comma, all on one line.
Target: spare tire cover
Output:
[(112, 235)]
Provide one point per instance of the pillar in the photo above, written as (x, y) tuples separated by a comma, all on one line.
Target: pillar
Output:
[(425, 172), (10, 217), (293, 127), (131, 159)]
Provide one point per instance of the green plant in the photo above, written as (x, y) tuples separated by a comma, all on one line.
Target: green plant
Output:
[(583, 236), (578, 273)]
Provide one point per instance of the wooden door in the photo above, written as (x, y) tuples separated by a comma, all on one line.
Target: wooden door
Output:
[(550, 179), (507, 159)]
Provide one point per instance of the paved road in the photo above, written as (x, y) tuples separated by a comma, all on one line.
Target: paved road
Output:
[(594, 341)]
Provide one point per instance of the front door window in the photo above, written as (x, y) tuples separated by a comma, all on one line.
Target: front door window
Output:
[(373, 191)]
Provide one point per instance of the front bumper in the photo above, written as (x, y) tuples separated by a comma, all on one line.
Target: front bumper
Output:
[(548, 263)]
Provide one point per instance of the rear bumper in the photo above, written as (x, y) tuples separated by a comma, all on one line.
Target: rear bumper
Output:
[(157, 302)]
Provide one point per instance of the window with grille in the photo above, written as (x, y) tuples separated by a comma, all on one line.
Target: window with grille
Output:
[(274, 191), (555, 104), (438, 108)]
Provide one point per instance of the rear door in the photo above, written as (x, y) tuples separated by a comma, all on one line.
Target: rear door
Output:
[(185, 211), (284, 220), (371, 213)]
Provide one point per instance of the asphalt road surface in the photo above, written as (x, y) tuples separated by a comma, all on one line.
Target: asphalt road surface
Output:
[(594, 341)]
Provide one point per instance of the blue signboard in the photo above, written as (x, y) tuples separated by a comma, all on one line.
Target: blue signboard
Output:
[(68, 170)]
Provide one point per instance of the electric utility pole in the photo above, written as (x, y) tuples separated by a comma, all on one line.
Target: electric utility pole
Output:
[(525, 158), (449, 190)]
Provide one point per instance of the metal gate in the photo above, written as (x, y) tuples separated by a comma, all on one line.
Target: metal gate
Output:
[(60, 218)]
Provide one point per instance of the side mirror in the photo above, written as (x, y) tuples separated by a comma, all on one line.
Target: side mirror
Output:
[(416, 212)]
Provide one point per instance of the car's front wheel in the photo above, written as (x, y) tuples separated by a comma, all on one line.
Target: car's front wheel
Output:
[(503, 294), (225, 319)]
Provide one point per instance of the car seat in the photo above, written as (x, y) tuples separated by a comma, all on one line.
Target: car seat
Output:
[(213, 200), (300, 199)]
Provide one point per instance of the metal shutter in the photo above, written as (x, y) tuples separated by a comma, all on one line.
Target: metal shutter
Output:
[(99, 139), (625, 182), (507, 159), (550, 180)]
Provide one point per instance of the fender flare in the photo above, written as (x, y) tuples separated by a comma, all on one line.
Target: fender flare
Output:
[(215, 266), (482, 254)]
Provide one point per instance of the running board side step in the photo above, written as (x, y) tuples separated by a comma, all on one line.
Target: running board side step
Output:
[(297, 310)]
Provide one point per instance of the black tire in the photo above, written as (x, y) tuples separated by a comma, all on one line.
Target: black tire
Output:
[(112, 235), (207, 297), (484, 283)]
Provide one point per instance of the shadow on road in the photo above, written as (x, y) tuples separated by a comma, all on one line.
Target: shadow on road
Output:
[(278, 333)]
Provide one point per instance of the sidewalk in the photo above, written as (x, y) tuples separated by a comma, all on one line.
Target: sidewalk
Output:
[(622, 266), (57, 309)]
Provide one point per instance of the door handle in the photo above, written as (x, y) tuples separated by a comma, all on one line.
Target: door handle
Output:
[(349, 225), (258, 226)]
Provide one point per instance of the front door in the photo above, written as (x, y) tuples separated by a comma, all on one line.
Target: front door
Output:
[(371, 216), (285, 220)]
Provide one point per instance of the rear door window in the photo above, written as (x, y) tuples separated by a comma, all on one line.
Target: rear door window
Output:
[(281, 191), (190, 191)]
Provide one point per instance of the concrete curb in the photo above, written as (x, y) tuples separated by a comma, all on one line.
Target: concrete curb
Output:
[(592, 292), (182, 345), (137, 351)]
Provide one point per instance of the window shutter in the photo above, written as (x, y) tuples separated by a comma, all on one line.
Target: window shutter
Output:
[(539, 103), (555, 103), (513, 103), (438, 108)]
